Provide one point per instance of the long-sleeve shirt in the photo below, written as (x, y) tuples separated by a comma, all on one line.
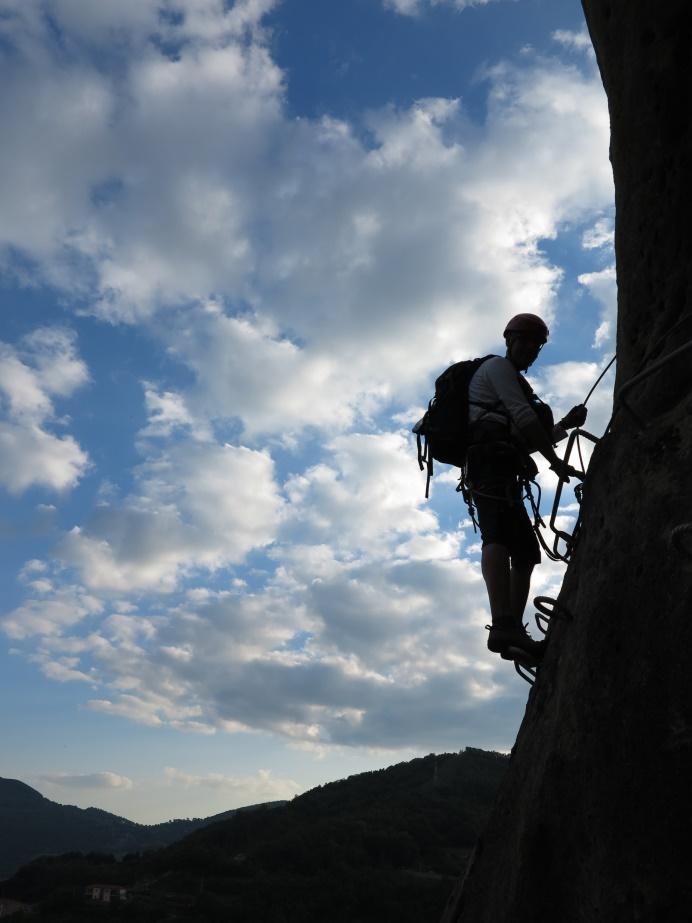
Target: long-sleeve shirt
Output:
[(498, 380)]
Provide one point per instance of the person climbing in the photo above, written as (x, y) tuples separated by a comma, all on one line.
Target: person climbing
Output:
[(507, 423)]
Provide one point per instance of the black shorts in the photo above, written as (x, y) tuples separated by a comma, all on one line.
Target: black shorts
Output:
[(498, 500), (506, 523)]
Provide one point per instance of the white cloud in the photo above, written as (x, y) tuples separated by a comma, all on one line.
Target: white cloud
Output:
[(350, 641), (21, 388), (367, 495), (41, 586), (98, 188), (43, 365), (30, 456), (195, 188), (245, 369), (130, 22), (392, 651), (603, 286), (217, 21), (462, 240), (307, 274), (26, 22), (564, 385), (62, 670), (200, 506), (34, 566), (262, 786), (129, 706), (52, 352), (68, 606), (575, 41), (90, 780), (415, 7), (602, 234), (167, 412)]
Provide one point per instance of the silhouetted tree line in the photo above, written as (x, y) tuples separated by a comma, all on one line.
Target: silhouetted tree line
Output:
[(31, 824), (378, 846)]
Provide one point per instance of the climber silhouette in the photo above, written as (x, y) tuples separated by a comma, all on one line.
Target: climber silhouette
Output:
[(508, 422)]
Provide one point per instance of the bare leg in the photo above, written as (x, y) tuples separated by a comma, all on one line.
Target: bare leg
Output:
[(519, 585), (496, 573), (508, 590)]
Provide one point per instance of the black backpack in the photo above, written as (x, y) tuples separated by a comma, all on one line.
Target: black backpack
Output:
[(442, 433)]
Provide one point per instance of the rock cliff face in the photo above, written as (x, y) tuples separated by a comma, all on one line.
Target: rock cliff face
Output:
[(593, 822)]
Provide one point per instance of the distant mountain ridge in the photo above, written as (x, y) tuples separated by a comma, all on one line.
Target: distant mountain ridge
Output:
[(33, 825), (378, 846)]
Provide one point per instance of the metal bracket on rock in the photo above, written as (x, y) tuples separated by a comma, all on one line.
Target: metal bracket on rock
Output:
[(568, 539), (549, 608), (527, 673)]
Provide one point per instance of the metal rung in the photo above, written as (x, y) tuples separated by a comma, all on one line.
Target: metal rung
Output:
[(551, 607), (527, 673), (559, 534)]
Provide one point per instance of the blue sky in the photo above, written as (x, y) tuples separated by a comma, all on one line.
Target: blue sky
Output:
[(238, 242)]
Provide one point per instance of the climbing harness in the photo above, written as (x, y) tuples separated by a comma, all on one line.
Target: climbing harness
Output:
[(531, 491)]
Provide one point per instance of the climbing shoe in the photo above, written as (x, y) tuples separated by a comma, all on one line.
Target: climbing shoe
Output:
[(512, 641)]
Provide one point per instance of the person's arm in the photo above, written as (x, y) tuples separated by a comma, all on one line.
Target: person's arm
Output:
[(504, 382), (559, 433), (504, 379), (575, 417), (536, 436)]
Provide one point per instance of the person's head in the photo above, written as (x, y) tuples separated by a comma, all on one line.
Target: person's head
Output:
[(525, 336)]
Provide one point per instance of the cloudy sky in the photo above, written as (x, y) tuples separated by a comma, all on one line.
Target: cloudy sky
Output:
[(238, 242)]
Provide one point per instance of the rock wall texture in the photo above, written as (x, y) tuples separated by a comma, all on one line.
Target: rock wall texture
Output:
[(594, 821)]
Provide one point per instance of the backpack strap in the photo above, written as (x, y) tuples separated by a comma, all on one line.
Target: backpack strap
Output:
[(425, 459), (487, 408), (492, 408)]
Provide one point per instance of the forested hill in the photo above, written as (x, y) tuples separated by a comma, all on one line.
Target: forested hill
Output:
[(378, 846), (32, 825)]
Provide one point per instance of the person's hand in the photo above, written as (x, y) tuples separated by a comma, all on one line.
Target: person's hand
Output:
[(565, 472), (575, 417)]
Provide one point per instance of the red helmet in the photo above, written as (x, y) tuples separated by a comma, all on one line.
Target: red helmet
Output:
[(527, 323)]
